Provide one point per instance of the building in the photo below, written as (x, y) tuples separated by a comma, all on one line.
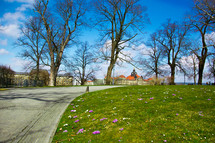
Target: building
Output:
[(133, 79)]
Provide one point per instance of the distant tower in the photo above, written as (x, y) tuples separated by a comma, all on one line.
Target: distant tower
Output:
[(134, 74)]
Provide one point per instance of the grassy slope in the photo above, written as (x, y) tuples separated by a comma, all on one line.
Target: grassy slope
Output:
[(175, 114)]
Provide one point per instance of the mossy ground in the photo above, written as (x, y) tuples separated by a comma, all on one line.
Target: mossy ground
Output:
[(144, 114)]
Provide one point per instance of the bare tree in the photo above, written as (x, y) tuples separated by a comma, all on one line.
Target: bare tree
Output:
[(152, 58), (203, 22), (117, 20), (82, 63), (32, 43), (211, 71), (60, 23), (189, 66), (172, 37), (206, 8)]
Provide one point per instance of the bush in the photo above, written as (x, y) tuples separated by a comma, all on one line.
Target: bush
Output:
[(6, 76), (157, 81), (43, 78)]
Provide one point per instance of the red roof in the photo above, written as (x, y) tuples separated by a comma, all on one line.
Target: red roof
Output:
[(131, 77), (148, 79), (121, 76)]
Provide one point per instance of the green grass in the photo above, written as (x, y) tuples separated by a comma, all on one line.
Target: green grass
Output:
[(3, 89), (175, 114)]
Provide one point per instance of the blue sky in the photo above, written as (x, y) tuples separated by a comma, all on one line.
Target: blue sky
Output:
[(13, 13)]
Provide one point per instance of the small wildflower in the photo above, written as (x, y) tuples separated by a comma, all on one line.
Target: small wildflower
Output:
[(96, 132), (209, 99), (119, 140), (115, 120), (65, 131), (140, 98), (73, 110), (165, 141), (114, 108), (65, 125), (75, 116), (176, 114), (151, 98), (80, 131), (86, 111), (70, 116), (93, 119), (146, 102), (91, 111), (121, 129), (173, 94), (181, 98), (76, 121), (103, 119)]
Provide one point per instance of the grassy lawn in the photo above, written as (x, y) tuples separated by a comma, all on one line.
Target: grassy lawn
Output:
[(3, 89), (140, 114)]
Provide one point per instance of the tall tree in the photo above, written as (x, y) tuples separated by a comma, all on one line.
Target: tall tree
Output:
[(211, 69), (60, 22), (117, 20), (203, 22), (32, 43), (82, 63), (189, 66), (152, 58), (172, 37)]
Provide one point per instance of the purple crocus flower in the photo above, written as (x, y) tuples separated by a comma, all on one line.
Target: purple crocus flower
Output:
[(176, 114), (173, 94), (75, 116), (103, 119), (151, 98), (80, 131), (115, 120), (165, 141), (209, 99), (121, 129), (91, 111), (65, 131), (73, 110), (96, 132), (76, 121)]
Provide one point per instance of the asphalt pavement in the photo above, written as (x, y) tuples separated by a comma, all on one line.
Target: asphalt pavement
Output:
[(31, 115)]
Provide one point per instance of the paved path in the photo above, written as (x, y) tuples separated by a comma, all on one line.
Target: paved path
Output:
[(32, 115)]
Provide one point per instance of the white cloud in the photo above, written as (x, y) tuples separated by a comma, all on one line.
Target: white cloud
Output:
[(21, 1), (11, 30), (3, 52), (13, 17), (3, 42), (24, 7)]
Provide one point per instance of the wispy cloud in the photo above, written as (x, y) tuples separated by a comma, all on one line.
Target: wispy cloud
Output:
[(3, 52), (3, 42), (21, 1), (11, 30)]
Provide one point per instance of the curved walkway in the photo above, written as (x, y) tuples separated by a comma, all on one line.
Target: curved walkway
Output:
[(32, 115)]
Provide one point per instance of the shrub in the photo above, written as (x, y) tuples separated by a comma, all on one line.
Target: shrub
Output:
[(6, 76), (156, 81), (43, 78)]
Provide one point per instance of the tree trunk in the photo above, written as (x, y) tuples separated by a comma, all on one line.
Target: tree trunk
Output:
[(53, 76), (172, 81), (37, 73), (201, 68), (108, 78)]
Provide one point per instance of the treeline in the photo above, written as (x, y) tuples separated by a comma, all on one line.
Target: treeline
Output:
[(55, 26)]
